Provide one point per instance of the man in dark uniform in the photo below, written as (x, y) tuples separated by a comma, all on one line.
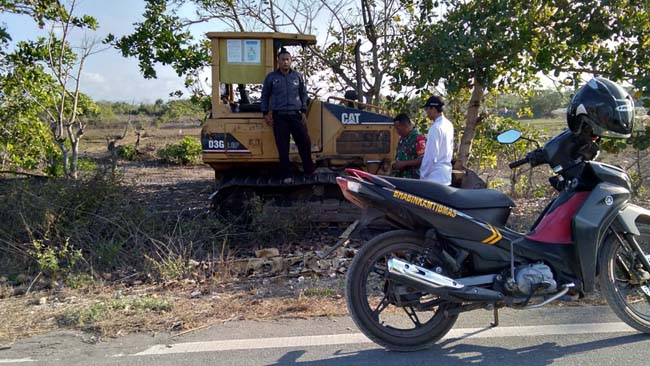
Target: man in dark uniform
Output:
[(284, 106), (410, 148)]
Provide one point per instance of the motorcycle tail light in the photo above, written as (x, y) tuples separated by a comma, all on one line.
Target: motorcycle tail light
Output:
[(347, 185), (370, 178), (354, 186)]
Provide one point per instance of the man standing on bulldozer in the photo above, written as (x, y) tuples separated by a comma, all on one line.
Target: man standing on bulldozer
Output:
[(284, 106)]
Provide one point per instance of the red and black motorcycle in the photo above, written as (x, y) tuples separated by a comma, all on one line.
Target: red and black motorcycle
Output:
[(451, 251)]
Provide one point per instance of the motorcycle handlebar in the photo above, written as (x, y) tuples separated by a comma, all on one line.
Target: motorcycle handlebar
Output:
[(519, 162)]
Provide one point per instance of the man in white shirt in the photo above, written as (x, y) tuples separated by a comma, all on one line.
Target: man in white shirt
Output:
[(436, 164)]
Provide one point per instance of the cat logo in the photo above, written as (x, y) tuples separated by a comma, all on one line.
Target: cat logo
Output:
[(350, 118)]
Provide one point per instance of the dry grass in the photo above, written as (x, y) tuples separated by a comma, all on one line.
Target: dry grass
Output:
[(114, 311), (152, 137)]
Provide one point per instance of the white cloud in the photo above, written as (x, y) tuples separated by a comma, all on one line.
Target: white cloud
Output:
[(92, 78)]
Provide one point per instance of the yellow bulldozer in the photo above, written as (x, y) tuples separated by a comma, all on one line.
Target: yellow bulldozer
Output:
[(241, 149)]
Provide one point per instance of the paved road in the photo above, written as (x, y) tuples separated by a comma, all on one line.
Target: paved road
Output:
[(550, 336)]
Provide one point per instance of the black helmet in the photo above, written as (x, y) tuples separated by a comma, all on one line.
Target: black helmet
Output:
[(603, 105)]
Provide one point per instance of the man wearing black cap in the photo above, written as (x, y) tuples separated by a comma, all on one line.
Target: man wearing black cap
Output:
[(436, 164), (284, 106)]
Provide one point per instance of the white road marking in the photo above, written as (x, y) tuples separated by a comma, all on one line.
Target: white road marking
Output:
[(17, 360), (358, 338)]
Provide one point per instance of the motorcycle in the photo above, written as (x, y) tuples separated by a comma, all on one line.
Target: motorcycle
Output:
[(452, 252)]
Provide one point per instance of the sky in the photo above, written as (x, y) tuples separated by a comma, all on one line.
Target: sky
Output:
[(108, 75)]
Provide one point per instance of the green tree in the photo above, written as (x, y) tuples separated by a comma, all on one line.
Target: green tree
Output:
[(25, 141), (46, 73), (359, 49), (544, 101), (501, 45)]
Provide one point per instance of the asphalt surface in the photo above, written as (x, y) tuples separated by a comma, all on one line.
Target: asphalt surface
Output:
[(547, 336)]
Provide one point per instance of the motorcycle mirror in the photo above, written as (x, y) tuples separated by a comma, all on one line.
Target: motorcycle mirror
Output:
[(508, 137)]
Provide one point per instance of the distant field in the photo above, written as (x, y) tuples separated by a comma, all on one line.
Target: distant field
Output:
[(551, 126), (548, 126), (94, 142)]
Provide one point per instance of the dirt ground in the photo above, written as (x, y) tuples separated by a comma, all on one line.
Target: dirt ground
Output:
[(117, 305), (112, 306)]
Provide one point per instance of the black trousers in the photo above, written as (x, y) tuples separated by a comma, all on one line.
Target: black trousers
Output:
[(285, 125)]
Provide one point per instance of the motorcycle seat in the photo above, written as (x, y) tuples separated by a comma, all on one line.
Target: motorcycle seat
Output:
[(452, 197)]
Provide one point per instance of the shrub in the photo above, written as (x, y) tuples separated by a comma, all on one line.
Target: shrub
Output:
[(55, 259), (68, 227), (187, 151), (55, 166), (126, 152)]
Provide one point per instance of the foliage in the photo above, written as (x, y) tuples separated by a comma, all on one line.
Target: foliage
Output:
[(503, 44), (25, 141), (105, 113), (54, 167), (165, 112), (174, 110), (55, 259), (640, 139), (160, 38), (598, 37), (544, 101), (127, 152), (117, 229), (614, 146), (79, 280), (27, 144), (40, 10), (163, 37), (99, 217), (487, 149), (187, 151), (169, 267), (43, 75)]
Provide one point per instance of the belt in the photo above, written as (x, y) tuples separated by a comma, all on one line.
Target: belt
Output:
[(287, 113)]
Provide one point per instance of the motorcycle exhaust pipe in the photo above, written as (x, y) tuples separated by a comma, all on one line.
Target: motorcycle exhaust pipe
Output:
[(423, 276), (438, 284)]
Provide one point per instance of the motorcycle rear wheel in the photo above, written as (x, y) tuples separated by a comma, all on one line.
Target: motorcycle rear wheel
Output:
[(622, 291), (367, 281)]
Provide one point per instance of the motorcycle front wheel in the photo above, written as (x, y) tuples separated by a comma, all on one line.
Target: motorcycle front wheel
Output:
[(393, 315), (619, 282)]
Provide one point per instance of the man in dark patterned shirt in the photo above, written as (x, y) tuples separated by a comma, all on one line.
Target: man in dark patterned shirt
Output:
[(410, 148)]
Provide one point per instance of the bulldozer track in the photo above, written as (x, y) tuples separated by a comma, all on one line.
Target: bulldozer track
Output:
[(318, 194)]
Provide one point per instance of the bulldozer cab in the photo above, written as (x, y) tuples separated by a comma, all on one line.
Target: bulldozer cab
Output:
[(235, 139), (242, 59)]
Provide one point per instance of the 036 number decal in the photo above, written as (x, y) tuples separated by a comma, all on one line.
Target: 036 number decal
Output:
[(216, 144)]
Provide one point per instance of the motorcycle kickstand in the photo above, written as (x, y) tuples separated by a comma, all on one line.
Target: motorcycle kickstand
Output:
[(495, 323)]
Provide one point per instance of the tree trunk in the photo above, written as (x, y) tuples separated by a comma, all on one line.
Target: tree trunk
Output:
[(357, 60), (65, 158), (5, 155), (74, 159), (471, 121)]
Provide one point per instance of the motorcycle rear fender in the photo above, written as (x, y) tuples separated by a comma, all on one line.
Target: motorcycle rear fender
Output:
[(629, 216)]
